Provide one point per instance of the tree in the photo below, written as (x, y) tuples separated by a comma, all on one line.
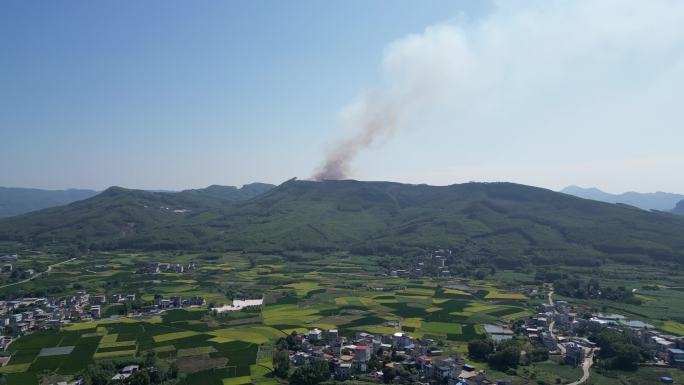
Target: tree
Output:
[(388, 374), (281, 363), (97, 376), (150, 358), (608, 340), (626, 357), (322, 369), (282, 344), (173, 370), (140, 377), (507, 355), (292, 341), (374, 363), (312, 374), (480, 349), (505, 358), (539, 355)]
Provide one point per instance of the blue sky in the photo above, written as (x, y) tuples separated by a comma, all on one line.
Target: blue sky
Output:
[(177, 94)]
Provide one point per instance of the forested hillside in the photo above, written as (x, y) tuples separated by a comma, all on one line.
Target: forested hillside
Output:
[(507, 223)]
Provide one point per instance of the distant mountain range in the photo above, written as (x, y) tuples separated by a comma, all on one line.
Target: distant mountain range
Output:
[(16, 200), (660, 201), (504, 223)]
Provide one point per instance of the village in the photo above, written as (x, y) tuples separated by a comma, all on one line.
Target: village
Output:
[(556, 328), (21, 316), (379, 355), (559, 328)]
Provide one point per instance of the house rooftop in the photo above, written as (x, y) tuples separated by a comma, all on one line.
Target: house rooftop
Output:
[(130, 368)]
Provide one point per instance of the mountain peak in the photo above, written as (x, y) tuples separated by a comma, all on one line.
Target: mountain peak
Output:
[(112, 190)]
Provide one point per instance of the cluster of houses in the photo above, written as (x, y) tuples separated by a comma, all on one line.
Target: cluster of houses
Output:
[(538, 328), (126, 372), (160, 303), (7, 263), (161, 267), (177, 301), (352, 356), (432, 264), (24, 315), (661, 348)]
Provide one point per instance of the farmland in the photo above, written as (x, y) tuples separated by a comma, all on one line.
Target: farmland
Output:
[(337, 291), (333, 292)]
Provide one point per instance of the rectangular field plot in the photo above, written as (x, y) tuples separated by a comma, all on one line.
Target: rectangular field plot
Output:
[(116, 353), (257, 334), (495, 294), (15, 368), (111, 341), (468, 333), (441, 327), (237, 380), (201, 350), (213, 376), (26, 378), (174, 336), (164, 349), (58, 351), (36, 341), (81, 356), (47, 363)]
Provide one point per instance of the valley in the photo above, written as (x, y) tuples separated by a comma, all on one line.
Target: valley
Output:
[(470, 192), (323, 282), (141, 311)]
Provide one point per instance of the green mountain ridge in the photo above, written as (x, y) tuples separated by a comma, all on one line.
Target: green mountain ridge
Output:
[(507, 223), (120, 213)]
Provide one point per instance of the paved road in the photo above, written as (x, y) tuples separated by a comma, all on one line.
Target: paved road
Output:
[(586, 366), (34, 276), (552, 324), (588, 361)]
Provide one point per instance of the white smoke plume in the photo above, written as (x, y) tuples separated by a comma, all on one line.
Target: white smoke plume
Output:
[(418, 70), (534, 66)]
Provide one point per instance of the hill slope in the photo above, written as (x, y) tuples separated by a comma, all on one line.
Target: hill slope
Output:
[(16, 200), (121, 214), (661, 201), (679, 210), (504, 222)]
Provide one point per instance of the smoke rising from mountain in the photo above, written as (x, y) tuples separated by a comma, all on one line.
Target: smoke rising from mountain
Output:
[(526, 74), (377, 116), (417, 70)]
